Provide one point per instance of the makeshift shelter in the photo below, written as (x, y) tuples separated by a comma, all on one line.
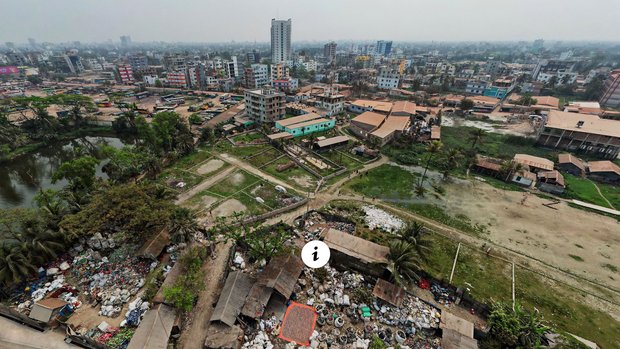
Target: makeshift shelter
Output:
[(352, 252), (46, 309), (389, 292), (155, 328), (280, 274), (458, 333), (232, 298), (154, 246), (220, 336)]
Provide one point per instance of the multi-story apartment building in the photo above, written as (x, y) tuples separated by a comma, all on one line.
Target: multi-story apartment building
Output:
[(383, 48), (197, 75), (232, 68), (500, 88), (388, 78), (279, 71), (125, 73), (329, 51), (552, 66), (332, 101), (611, 94), (476, 87), (138, 62), (287, 84), (280, 40), (177, 79), (265, 105), (253, 57), (256, 76)]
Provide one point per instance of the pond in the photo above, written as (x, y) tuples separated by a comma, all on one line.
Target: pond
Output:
[(22, 177)]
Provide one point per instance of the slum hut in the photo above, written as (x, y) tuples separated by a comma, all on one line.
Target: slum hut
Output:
[(220, 336), (280, 275), (46, 310), (457, 333), (232, 298), (155, 328), (171, 278), (534, 163), (488, 166), (604, 171), (571, 164), (331, 143), (352, 252), (389, 292), (435, 133), (551, 182), (154, 246)]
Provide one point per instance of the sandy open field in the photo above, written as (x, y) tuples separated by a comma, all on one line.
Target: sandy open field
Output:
[(210, 166), (228, 207), (567, 238)]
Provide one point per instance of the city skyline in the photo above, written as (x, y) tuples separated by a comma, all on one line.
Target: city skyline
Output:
[(410, 21)]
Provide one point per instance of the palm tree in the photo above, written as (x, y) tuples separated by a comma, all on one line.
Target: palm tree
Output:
[(511, 167), (414, 233), (432, 149), (182, 225), (15, 266), (476, 137), (402, 262), (453, 160)]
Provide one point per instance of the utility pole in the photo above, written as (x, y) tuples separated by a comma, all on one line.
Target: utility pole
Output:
[(456, 256), (513, 286)]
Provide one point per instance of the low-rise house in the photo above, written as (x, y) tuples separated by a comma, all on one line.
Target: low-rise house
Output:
[(551, 182), (524, 178), (365, 123), (403, 108), (391, 127), (46, 310), (571, 164), (352, 252), (363, 105), (604, 171), (534, 163), (488, 166)]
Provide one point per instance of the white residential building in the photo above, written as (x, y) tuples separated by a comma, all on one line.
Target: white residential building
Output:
[(265, 105), (388, 79), (280, 40)]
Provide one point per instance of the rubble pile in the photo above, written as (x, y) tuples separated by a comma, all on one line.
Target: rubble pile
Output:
[(377, 218), (111, 281), (346, 320)]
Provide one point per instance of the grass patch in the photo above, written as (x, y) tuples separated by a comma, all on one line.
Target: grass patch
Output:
[(249, 137), (192, 159), (386, 182), (583, 189), (575, 257), (289, 174), (264, 157), (610, 267), (239, 151), (233, 183)]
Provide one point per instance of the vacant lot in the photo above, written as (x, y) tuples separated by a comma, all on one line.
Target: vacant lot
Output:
[(585, 190)]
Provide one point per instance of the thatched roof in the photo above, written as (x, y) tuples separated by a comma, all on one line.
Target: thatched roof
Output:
[(232, 298)]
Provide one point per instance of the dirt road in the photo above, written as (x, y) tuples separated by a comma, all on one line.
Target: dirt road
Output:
[(194, 336), (203, 185)]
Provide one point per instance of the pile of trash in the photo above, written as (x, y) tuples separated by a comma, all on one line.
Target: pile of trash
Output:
[(110, 281), (98, 242), (260, 341), (346, 321), (378, 218)]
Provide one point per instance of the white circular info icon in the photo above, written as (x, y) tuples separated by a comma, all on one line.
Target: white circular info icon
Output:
[(315, 254)]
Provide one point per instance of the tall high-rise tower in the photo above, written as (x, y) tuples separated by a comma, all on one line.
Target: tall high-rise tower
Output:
[(280, 40)]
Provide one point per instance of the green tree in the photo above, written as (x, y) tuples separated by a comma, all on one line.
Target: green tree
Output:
[(403, 262), (182, 225), (166, 133), (476, 136), (195, 119), (14, 265), (452, 160), (127, 162), (467, 104), (516, 328), (433, 148), (508, 168), (34, 79), (414, 233), (80, 173), (526, 99)]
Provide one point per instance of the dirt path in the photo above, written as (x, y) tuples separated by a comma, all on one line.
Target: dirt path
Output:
[(203, 185), (194, 336), (603, 196), (253, 170)]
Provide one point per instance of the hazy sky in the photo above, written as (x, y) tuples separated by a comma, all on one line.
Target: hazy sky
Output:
[(249, 20)]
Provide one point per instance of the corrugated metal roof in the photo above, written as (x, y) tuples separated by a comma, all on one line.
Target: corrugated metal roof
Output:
[(232, 298), (154, 330), (332, 141), (389, 292), (356, 247)]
